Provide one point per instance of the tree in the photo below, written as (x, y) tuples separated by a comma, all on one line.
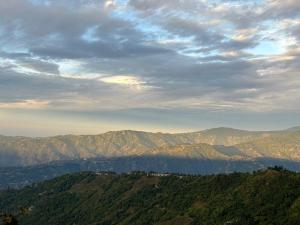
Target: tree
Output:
[(10, 219)]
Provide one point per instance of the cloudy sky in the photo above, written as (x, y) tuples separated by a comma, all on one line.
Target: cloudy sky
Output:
[(89, 66)]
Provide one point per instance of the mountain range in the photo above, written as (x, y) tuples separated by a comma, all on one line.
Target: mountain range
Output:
[(214, 144), (25, 160)]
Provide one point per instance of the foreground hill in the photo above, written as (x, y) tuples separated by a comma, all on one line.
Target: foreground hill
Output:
[(22, 151), (262, 198)]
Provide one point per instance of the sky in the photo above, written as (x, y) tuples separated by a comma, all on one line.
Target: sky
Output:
[(91, 66)]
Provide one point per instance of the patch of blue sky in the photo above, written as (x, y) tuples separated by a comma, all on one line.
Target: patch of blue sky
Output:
[(150, 30), (228, 30), (53, 37), (40, 2), (267, 48), (268, 24), (16, 33), (70, 68), (153, 32), (123, 12), (2, 31), (14, 49), (271, 42), (90, 35)]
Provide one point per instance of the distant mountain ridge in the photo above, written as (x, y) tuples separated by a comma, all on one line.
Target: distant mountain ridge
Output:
[(207, 144)]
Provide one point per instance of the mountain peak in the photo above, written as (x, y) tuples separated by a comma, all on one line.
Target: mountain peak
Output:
[(223, 130), (297, 128)]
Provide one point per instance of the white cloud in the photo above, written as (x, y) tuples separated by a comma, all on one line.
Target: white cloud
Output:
[(109, 4), (125, 81)]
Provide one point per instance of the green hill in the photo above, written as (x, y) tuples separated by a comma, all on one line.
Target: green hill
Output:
[(270, 197)]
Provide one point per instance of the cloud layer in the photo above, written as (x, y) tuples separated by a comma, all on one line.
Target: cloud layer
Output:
[(201, 55)]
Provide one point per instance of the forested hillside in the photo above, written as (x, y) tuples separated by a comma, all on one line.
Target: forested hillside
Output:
[(270, 197)]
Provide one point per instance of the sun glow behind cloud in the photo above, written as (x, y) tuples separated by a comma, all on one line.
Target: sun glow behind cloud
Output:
[(26, 104), (125, 81)]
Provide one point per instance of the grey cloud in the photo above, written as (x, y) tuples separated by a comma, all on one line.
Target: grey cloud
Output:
[(54, 32), (186, 28), (73, 49), (39, 66), (282, 9), (178, 77), (294, 30), (41, 20), (195, 19), (18, 87), (167, 5), (66, 93), (14, 55)]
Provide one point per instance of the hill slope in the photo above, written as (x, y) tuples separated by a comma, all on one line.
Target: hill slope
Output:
[(280, 146), (262, 198)]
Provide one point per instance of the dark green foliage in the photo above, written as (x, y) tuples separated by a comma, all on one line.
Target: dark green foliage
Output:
[(9, 219), (12, 219), (270, 197)]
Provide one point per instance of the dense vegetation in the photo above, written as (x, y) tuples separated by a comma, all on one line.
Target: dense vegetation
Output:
[(270, 197)]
